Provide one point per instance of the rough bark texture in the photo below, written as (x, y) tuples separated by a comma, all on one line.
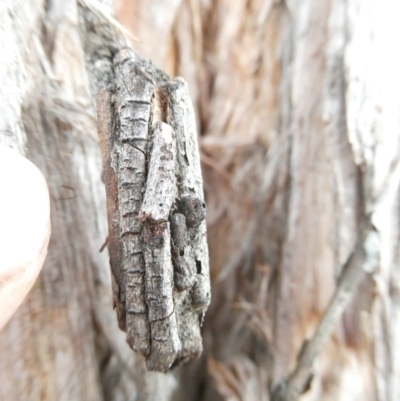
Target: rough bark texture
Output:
[(154, 200), (297, 104)]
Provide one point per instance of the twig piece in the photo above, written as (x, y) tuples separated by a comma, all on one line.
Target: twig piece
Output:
[(353, 273)]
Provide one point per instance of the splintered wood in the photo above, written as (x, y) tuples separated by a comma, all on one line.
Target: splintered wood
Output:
[(156, 210)]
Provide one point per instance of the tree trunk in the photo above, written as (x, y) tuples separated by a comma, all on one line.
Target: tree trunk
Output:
[(297, 104)]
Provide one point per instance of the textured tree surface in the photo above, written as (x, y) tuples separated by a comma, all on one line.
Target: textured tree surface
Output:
[(297, 109)]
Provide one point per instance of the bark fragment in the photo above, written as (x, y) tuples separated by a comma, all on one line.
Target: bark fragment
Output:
[(156, 211)]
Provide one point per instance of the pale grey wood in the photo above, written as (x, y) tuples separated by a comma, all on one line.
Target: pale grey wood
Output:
[(161, 189), (13, 83)]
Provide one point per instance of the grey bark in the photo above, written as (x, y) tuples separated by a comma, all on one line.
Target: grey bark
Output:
[(161, 289)]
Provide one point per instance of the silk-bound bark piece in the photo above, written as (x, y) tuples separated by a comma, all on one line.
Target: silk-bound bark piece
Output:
[(156, 210)]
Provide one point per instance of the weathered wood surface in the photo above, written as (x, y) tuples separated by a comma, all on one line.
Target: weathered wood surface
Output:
[(296, 119), (294, 100)]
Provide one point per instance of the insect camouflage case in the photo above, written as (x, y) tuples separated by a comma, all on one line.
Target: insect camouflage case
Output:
[(156, 210)]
